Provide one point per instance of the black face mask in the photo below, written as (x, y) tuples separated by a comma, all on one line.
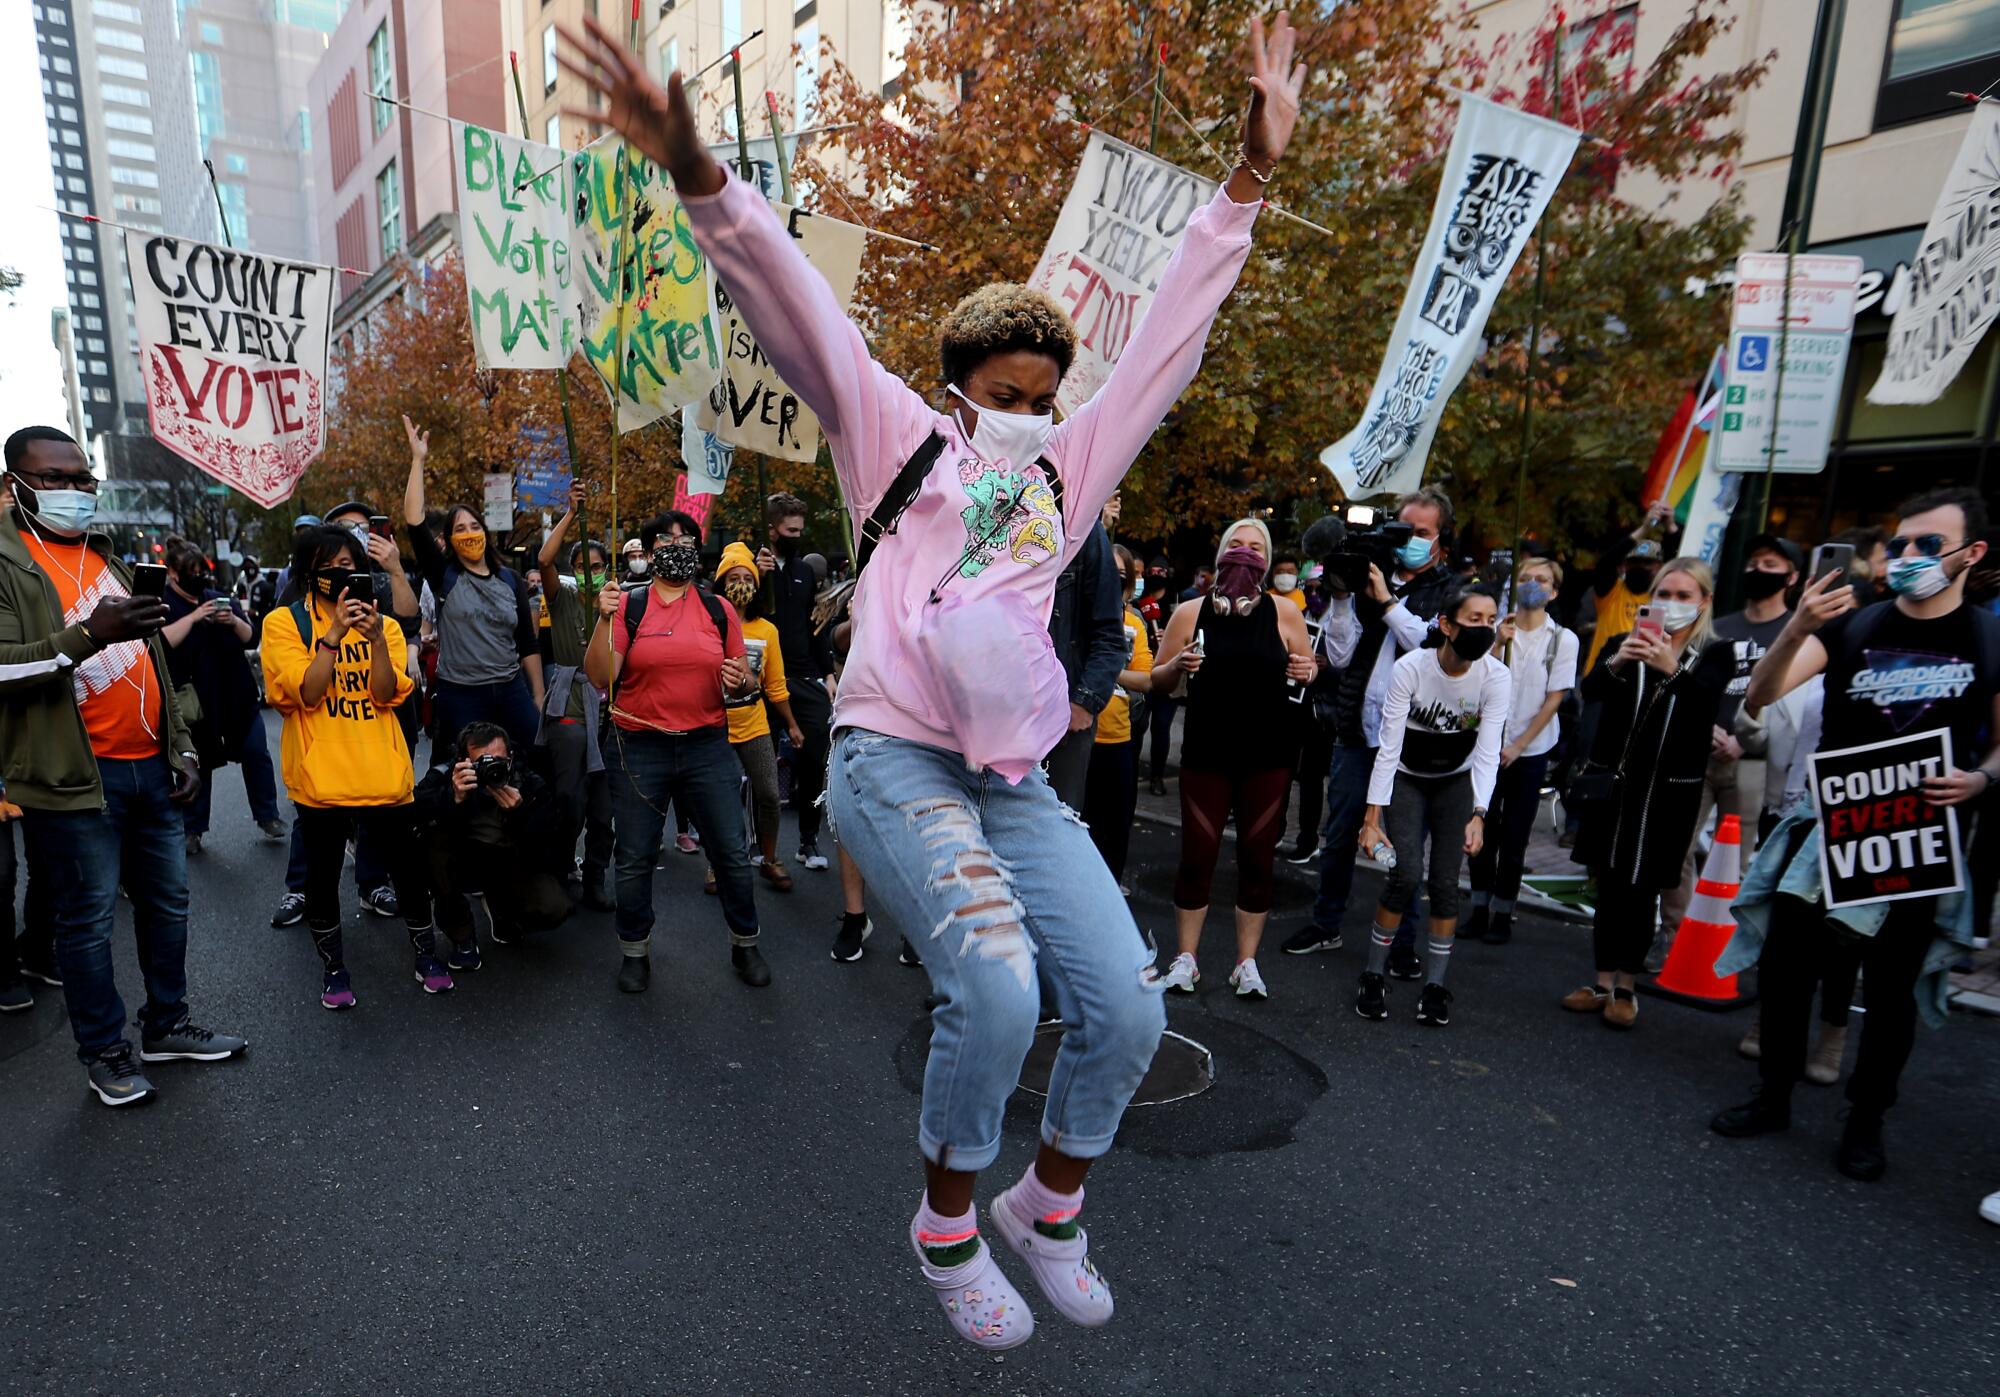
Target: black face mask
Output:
[(1472, 642), (1759, 585), (327, 581), (787, 547), (1639, 579), (676, 561)]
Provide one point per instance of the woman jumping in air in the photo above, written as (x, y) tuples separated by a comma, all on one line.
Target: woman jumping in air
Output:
[(953, 693)]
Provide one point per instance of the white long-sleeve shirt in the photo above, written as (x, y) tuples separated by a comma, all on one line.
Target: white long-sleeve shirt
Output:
[(1340, 637), (1438, 724)]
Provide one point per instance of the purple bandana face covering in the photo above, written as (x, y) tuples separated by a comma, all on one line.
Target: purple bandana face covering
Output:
[(1239, 573)]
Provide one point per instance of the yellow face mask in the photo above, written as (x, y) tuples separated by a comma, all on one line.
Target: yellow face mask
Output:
[(471, 548)]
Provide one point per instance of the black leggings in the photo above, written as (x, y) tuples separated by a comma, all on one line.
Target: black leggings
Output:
[(1622, 928), (324, 830), (1207, 798)]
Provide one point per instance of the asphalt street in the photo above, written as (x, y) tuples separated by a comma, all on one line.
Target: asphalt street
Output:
[(537, 1184)]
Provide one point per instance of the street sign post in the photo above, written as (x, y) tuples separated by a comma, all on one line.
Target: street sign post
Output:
[(1810, 328)]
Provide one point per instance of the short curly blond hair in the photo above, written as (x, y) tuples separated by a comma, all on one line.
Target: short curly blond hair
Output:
[(999, 319)]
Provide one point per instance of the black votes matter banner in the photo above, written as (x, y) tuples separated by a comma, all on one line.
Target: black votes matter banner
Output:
[(1880, 839)]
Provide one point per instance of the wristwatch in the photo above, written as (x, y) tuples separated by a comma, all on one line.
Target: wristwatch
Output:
[(1480, 811)]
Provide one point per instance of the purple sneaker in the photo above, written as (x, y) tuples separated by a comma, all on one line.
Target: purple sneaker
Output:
[(978, 1299), (432, 975), (1062, 1269), (335, 994)]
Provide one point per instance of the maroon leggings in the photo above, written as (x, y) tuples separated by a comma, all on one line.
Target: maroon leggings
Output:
[(1207, 798)]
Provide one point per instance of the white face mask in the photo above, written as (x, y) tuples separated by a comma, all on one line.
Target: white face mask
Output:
[(1016, 439), (65, 511), (636, 566), (1677, 616), (1286, 581)]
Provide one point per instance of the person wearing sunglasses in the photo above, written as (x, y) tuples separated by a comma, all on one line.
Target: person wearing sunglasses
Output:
[(1925, 662)]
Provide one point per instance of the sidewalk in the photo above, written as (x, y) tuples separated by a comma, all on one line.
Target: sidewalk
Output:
[(1976, 990)]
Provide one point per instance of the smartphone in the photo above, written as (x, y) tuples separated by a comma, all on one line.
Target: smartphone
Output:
[(149, 580), (361, 587), (1649, 620), (1831, 557), (378, 525)]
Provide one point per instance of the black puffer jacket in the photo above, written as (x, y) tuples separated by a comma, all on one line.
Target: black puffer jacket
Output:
[(1425, 596), (1659, 741)]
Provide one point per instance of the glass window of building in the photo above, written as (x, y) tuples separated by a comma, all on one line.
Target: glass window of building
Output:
[(129, 121), (895, 38), (670, 58), (211, 33), (130, 96), (552, 133), (381, 78), (121, 39), (114, 9), (235, 216), (136, 150), (549, 59), (114, 67), (236, 164), (1937, 48), (805, 79), (389, 210), (732, 23), (207, 96)]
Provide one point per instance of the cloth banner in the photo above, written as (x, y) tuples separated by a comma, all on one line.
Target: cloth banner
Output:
[(514, 228), (707, 457), (749, 408), (641, 274), (1880, 840), (1502, 167), (1953, 290), (232, 349), (1118, 228), (763, 153)]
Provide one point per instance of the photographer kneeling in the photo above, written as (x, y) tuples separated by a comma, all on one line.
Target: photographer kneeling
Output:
[(492, 830)]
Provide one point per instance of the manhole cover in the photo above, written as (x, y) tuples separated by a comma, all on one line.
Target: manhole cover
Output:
[(1181, 1068)]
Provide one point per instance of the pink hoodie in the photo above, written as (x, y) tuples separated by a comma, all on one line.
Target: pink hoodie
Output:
[(874, 423)]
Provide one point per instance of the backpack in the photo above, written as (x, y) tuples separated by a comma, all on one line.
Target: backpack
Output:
[(635, 612), (902, 492)]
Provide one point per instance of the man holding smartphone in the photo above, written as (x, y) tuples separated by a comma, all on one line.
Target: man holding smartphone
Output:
[(99, 761)]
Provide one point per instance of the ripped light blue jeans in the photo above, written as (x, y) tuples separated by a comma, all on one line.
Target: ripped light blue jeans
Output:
[(986, 879)]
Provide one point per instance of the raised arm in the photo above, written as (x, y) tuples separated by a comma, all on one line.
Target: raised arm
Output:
[(872, 420)]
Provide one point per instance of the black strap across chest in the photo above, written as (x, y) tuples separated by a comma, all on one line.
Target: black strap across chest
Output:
[(902, 492)]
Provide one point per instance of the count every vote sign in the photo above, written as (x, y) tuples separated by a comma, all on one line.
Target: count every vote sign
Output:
[(232, 348), (1880, 839)]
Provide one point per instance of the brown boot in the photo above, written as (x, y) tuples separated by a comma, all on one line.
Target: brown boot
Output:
[(1622, 1009), (775, 874), (1586, 999), (1824, 1067), (1752, 1045)]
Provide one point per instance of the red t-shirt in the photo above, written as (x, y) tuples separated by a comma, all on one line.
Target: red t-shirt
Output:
[(671, 677)]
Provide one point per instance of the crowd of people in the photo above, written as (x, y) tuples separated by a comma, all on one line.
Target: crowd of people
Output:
[(499, 742)]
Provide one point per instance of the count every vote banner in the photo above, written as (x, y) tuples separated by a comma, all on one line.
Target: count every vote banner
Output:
[(232, 349), (1880, 839)]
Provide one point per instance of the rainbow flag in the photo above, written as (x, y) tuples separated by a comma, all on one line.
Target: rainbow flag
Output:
[(1678, 459)]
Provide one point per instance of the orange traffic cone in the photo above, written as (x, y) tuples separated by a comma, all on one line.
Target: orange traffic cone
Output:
[(1690, 973)]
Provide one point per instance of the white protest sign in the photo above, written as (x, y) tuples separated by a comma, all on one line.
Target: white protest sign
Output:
[(1952, 292), (1498, 176), (498, 499), (1118, 228), (707, 457), (514, 231), (1821, 311), (232, 348), (750, 408)]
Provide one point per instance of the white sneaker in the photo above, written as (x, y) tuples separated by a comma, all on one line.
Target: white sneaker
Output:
[(1990, 1208), (1182, 975), (1249, 984), (810, 857)]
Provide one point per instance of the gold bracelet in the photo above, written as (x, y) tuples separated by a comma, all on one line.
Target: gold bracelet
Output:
[(1243, 163)]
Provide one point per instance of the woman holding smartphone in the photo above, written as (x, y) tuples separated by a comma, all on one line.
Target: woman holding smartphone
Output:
[(1639, 792), (337, 669), (1237, 659), (935, 784), (489, 659)]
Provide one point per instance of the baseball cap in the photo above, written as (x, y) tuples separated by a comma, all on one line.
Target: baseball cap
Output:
[(361, 507), (1646, 550), (1784, 547), (306, 521)]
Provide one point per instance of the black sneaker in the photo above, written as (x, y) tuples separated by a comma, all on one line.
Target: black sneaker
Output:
[(855, 928), (1310, 939), (1302, 855), (1860, 1155), (382, 902), (908, 955), (43, 974), (1474, 926), (1434, 1006), (291, 910), (1500, 930), (751, 968), (191, 1043), (635, 973), (1372, 1002), (1158, 788), (15, 997), (116, 1078), (1403, 963), (1760, 1115)]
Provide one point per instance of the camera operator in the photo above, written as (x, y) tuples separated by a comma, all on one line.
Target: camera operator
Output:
[(1364, 636), (492, 835)]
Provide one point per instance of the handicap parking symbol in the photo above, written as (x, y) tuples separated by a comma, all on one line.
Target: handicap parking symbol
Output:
[(1753, 353)]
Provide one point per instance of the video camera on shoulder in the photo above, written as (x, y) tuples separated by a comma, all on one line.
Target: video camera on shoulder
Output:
[(1371, 537)]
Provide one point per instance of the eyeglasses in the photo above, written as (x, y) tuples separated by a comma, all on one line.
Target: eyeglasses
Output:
[(1929, 545), (42, 480)]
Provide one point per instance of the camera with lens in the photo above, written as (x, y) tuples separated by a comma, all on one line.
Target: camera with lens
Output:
[(493, 771), (1368, 535)]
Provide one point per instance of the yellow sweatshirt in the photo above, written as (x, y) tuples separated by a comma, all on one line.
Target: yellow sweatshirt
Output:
[(750, 722), (347, 750)]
